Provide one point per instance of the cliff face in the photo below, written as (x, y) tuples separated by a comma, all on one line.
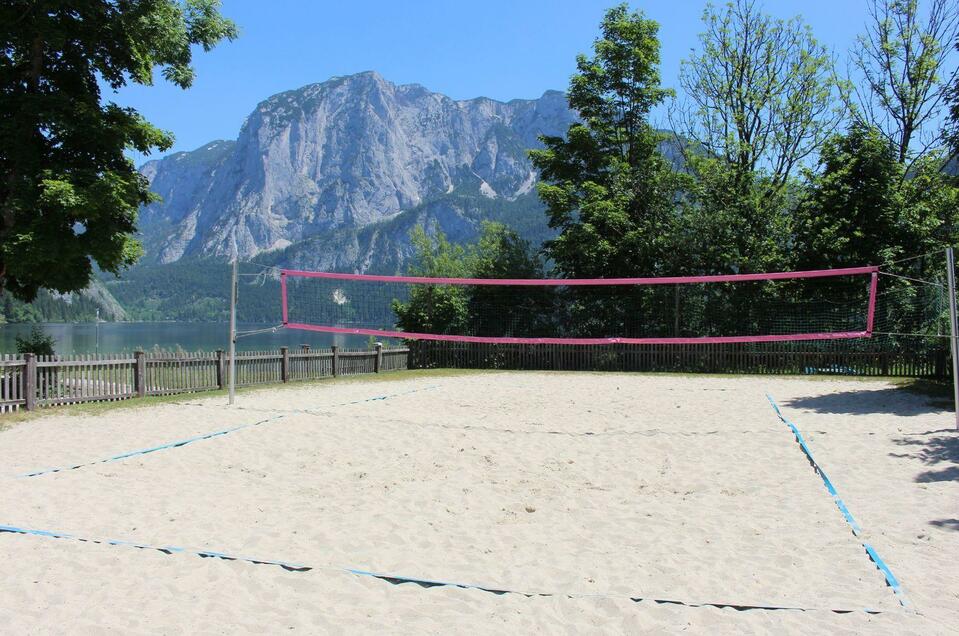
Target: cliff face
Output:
[(349, 165)]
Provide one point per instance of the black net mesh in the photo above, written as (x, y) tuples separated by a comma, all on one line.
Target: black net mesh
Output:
[(792, 307)]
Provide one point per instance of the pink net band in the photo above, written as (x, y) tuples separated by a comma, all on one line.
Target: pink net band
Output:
[(574, 282), (384, 332)]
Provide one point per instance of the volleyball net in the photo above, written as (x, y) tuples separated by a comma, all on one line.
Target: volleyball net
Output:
[(823, 305)]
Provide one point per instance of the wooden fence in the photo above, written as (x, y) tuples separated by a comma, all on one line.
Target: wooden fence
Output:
[(769, 358), (32, 381)]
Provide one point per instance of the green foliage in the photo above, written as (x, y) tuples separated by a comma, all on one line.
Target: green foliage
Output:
[(38, 342), (472, 310), (436, 308), (608, 189), (194, 291), (47, 307), (68, 193), (862, 207), (903, 80), (730, 222), (760, 93)]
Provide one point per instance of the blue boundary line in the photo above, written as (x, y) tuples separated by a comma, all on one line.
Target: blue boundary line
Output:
[(395, 579), (152, 449), (293, 567), (184, 442), (891, 579)]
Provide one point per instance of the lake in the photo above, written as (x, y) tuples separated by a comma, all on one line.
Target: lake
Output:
[(115, 337)]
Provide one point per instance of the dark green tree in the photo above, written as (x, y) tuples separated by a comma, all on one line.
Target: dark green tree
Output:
[(68, 193), (862, 209), (38, 342), (474, 309), (436, 308), (607, 187)]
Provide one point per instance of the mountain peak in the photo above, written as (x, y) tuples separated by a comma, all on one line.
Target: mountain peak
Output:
[(349, 152)]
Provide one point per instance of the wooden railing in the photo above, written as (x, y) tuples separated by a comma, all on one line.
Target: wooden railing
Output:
[(31, 381)]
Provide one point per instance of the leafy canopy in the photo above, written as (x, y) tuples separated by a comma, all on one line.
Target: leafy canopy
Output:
[(607, 188), (473, 310), (861, 207), (68, 193), (37, 342)]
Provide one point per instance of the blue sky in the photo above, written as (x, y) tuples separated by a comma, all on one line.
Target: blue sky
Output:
[(499, 49)]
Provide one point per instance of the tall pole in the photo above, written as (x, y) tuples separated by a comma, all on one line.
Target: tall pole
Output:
[(98, 330), (953, 327), (233, 291)]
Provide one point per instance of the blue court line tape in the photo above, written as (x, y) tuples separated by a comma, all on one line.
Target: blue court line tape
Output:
[(396, 579), (891, 580), (293, 567), (152, 449), (184, 442)]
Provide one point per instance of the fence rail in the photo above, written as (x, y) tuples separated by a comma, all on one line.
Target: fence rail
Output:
[(31, 381), (769, 359)]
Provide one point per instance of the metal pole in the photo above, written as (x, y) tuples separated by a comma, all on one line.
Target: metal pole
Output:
[(233, 291), (98, 330), (953, 327)]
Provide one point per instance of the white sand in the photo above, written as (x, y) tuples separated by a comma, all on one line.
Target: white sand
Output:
[(603, 486)]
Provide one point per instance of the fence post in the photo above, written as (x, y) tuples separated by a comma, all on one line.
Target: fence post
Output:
[(220, 368), (336, 358), (285, 364), (140, 374), (30, 381), (378, 362)]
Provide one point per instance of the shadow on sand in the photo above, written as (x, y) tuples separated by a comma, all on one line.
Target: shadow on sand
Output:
[(898, 401), (946, 524)]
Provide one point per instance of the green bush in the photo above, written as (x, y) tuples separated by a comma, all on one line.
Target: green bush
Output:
[(38, 342)]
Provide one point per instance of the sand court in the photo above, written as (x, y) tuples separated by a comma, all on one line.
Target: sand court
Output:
[(589, 488)]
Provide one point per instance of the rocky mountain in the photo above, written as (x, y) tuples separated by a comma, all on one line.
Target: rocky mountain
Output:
[(333, 175)]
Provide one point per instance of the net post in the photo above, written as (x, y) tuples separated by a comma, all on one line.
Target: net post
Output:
[(871, 312), (953, 327), (283, 300), (285, 364), (335, 362), (233, 290), (378, 360)]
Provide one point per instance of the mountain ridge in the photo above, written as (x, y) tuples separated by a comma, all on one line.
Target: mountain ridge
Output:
[(341, 155)]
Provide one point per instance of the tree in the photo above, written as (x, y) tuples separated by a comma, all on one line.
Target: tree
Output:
[(950, 130), (68, 194), (436, 308), (904, 83), (863, 208), (607, 188), (759, 93), (38, 342), (474, 309), (853, 214)]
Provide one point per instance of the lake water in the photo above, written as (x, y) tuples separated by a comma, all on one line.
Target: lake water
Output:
[(114, 337)]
